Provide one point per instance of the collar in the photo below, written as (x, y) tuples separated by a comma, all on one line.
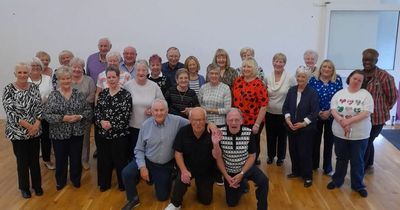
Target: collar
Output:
[(160, 75)]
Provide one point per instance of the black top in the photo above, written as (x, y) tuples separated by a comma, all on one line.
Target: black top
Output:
[(178, 101), (197, 153), (163, 82)]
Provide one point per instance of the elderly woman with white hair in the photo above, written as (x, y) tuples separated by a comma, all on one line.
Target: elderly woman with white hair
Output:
[(301, 109), (248, 52), (22, 104), (143, 93), (85, 85), (45, 87), (310, 59), (67, 111)]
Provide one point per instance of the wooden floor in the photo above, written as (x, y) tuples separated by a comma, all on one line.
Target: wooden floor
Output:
[(383, 186)]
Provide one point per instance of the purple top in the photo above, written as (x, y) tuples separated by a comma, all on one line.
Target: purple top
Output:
[(94, 66)]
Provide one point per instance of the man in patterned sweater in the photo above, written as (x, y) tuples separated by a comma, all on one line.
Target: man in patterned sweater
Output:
[(236, 159)]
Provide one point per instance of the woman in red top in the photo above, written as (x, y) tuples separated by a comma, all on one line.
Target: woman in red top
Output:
[(250, 96)]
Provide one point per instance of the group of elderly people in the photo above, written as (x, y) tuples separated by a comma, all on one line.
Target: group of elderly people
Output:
[(128, 101)]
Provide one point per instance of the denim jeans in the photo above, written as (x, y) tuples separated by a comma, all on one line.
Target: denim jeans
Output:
[(161, 175), (353, 151)]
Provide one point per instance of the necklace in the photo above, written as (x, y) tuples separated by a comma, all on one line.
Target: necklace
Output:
[(25, 87), (180, 93), (36, 82)]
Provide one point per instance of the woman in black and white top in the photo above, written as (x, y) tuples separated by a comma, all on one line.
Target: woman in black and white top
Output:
[(22, 104), (67, 110), (112, 114)]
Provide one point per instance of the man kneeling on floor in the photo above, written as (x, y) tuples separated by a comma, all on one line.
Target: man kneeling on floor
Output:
[(235, 160)]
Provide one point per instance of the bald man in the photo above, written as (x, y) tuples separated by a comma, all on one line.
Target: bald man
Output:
[(128, 64), (193, 155)]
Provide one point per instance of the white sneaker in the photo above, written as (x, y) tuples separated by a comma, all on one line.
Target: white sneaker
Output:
[(172, 207)]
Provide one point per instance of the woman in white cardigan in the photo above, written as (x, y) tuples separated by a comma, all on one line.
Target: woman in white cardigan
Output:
[(278, 84)]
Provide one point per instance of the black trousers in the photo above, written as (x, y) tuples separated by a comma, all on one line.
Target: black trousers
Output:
[(111, 153), (27, 154), (133, 137), (68, 150), (276, 135), (370, 153), (232, 195), (204, 185), (323, 127), (45, 143), (257, 138), (300, 149)]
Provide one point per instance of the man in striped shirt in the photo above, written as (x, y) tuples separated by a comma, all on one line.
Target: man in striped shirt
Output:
[(383, 90), (236, 159)]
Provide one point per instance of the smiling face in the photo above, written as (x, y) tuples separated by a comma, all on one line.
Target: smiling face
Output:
[(326, 70), (247, 70), (173, 57), (65, 81), (77, 70), (141, 73), (183, 80), (22, 74), (155, 67), (197, 119), (301, 79), (213, 76), (278, 65), (45, 60), (36, 70), (309, 60), (192, 66), (129, 55), (159, 111), (369, 61), (222, 61), (65, 59), (113, 61), (104, 47)]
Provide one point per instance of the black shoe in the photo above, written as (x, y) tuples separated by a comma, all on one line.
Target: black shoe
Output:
[(307, 183), (60, 187), (121, 188), (331, 186), (257, 162), (77, 185), (270, 161), (131, 204), (38, 191), (279, 162), (95, 154), (26, 193), (219, 180), (363, 193), (103, 189), (292, 175)]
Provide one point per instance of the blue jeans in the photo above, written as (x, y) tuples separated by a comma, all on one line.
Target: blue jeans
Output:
[(160, 175), (353, 151), (261, 181), (370, 152)]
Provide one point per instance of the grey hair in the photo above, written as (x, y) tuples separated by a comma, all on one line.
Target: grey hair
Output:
[(204, 111), (159, 100), (234, 109), (312, 53), (245, 50), (173, 48), (303, 70), (78, 61), (37, 61), (62, 71), (106, 39), (22, 65), (112, 55), (65, 52), (142, 62)]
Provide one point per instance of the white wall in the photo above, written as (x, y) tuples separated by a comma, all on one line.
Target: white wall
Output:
[(195, 27)]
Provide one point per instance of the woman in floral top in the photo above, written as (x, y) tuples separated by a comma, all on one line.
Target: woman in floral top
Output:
[(67, 111), (250, 96), (22, 104), (112, 113)]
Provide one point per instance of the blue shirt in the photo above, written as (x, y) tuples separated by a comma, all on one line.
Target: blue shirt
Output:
[(170, 73), (155, 141), (326, 91), (131, 71)]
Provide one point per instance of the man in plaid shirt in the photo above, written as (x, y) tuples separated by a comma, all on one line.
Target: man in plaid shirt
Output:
[(383, 90)]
